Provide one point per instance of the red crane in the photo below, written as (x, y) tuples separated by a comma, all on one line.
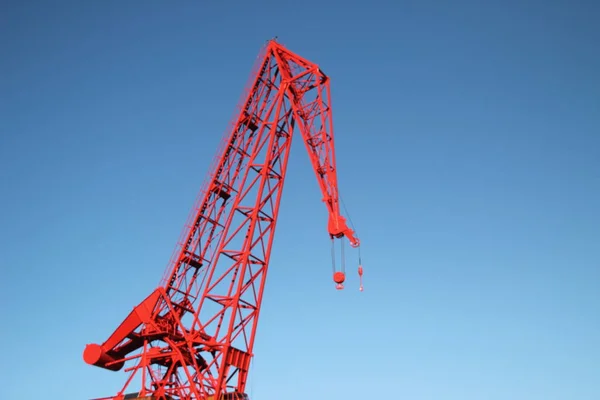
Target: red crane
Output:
[(193, 337)]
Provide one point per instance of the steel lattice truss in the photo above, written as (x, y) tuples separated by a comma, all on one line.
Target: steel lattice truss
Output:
[(192, 338)]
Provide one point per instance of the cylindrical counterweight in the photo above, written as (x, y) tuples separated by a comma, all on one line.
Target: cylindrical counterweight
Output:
[(95, 355)]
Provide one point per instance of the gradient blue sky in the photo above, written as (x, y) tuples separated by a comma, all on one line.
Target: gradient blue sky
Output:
[(468, 140)]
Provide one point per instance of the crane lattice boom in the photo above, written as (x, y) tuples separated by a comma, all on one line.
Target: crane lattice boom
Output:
[(192, 338)]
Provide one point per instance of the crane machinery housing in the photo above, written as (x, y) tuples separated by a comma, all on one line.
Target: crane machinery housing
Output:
[(192, 338)]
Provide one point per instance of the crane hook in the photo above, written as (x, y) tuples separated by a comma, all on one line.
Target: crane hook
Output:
[(360, 274), (339, 277)]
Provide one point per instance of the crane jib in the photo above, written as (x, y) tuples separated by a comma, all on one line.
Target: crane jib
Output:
[(193, 336)]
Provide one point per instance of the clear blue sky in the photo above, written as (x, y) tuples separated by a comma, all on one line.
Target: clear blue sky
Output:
[(469, 158)]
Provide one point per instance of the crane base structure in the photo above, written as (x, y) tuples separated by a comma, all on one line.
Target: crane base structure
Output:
[(192, 338), (135, 396)]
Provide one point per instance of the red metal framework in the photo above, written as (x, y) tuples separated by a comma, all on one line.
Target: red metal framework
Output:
[(192, 338)]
